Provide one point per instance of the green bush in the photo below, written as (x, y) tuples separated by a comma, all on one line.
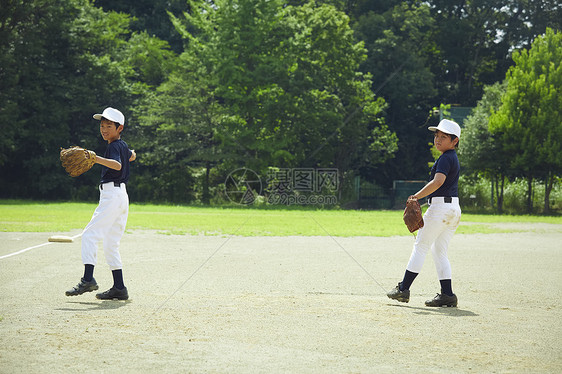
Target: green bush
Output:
[(475, 193)]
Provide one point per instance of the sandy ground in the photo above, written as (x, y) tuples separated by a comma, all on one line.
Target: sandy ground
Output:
[(283, 304)]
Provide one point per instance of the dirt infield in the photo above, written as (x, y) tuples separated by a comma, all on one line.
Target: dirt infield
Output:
[(283, 304)]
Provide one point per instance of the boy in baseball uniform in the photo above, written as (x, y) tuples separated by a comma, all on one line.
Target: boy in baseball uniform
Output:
[(440, 220), (110, 217)]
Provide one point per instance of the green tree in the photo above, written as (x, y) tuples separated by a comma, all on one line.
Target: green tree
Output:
[(529, 120), (149, 58), (398, 37), (53, 71), (59, 63), (480, 152), (422, 53), (177, 125), (475, 39), (286, 84), (151, 17)]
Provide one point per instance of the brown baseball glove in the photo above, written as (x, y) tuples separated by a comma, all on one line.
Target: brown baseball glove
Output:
[(413, 215), (76, 160)]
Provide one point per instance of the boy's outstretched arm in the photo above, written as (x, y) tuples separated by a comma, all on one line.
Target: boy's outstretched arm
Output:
[(112, 164)]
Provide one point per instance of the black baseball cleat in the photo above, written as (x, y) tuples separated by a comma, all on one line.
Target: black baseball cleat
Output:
[(443, 300), (113, 294), (82, 287), (396, 294)]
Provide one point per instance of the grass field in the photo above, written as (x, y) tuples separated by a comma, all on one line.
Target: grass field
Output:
[(22, 216)]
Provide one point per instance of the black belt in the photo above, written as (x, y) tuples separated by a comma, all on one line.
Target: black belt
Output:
[(116, 184), (446, 199)]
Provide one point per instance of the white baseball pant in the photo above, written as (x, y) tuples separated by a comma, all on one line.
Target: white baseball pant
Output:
[(107, 224), (440, 222)]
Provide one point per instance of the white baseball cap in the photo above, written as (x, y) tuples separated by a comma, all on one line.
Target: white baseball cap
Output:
[(448, 127), (112, 115)]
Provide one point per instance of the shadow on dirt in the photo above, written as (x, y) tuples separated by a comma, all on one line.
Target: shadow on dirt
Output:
[(84, 306), (453, 312)]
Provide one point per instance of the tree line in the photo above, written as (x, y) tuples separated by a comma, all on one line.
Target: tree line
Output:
[(515, 130), (211, 86)]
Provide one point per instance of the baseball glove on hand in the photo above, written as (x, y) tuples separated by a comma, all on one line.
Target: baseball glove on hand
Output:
[(413, 214), (76, 160)]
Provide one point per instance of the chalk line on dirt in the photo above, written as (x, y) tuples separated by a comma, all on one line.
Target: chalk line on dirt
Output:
[(33, 247)]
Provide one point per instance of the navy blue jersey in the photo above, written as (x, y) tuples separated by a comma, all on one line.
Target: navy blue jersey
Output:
[(118, 151), (448, 164)]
